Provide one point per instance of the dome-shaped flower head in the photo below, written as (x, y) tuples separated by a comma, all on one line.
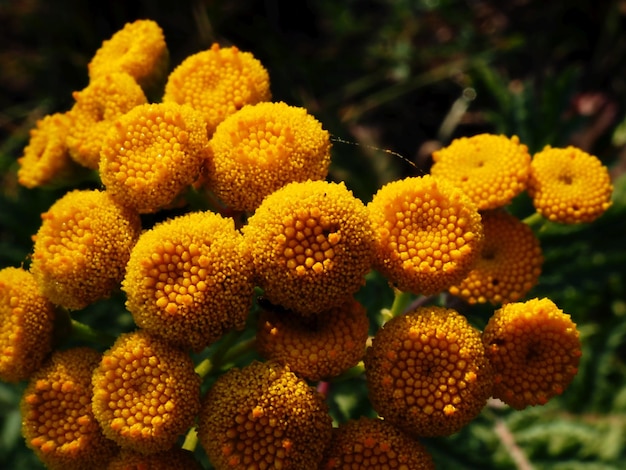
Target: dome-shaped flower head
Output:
[(428, 234), (311, 245), (26, 325), (57, 419), (427, 372), (318, 347), (189, 279), (374, 443), (151, 154), (490, 169), (105, 99), (172, 459), (569, 186), (145, 393), (509, 264), (263, 416), (534, 349), (263, 147), (82, 247), (217, 82)]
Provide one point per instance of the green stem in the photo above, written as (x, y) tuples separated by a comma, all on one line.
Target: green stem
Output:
[(239, 350), (351, 373), (204, 367), (191, 440), (83, 332), (535, 220), (400, 302)]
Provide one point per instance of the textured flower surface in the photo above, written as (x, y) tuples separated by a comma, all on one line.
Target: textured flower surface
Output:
[(490, 169), (569, 186), (427, 372), (82, 247), (264, 417), (57, 419), (428, 234), (534, 348), (263, 147), (311, 245), (509, 265), (172, 459)]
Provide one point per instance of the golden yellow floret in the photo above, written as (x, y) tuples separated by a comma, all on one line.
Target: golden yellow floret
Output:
[(371, 443), (490, 169), (218, 82), (26, 325), (152, 154), (57, 419), (263, 147), (569, 186), (189, 279), (82, 247), (105, 99), (264, 417), (145, 393), (319, 347), (428, 234), (172, 459), (311, 245), (509, 264), (427, 372), (534, 349)]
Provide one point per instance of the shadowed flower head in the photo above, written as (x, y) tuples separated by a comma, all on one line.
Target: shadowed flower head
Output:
[(57, 419), (428, 234), (534, 349), (263, 147), (189, 279), (569, 186), (82, 247), (311, 245), (490, 169), (172, 459), (26, 325), (509, 264), (145, 393), (427, 372), (263, 416)]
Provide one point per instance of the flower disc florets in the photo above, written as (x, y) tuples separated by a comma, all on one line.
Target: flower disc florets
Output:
[(172, 459)]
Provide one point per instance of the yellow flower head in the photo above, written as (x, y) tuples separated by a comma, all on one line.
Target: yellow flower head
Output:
[(509, 265), (151, 154), (26, 325), (374, 443), (105, 99), (490, 169), (534, 349), (82, 247), (57, 419), (569, 186), (320, 347), (428, 234), (263, 147), (263, 416), (217, 82), (172, 459), (311, 245), (145, 393), (427, 372), (189, 279)]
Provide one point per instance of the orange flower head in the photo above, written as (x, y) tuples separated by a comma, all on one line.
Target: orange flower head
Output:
[(26, 325), (263, 416), (311, 245), (374, 443), (145, 393), (534, 349), (218, 82), (151, 154), (490, 169), (509, 264), (172, 459), (569, 186), (428, 234), (189, 279), (427, 372), (57, 419), (319, 347), (82, 247), (261, 148)]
